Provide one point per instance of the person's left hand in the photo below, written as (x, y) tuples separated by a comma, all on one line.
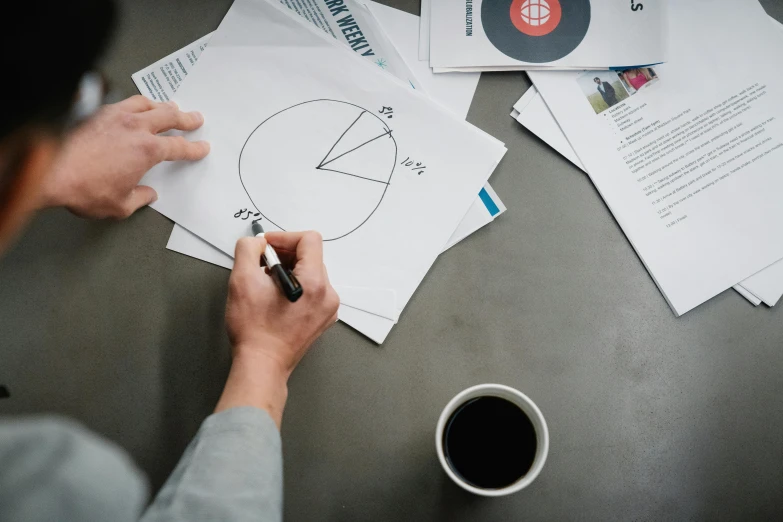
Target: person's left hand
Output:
[(97, 173)]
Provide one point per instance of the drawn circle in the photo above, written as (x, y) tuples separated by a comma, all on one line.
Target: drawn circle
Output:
[(320, 165), (535, 31), (535, 17)]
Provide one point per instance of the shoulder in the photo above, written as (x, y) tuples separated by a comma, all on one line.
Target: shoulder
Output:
[(59, 458)]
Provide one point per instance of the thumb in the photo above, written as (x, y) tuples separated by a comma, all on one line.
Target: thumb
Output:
[(141, 196)]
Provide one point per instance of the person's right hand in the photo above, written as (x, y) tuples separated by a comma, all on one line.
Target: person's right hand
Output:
[(269, 334), (259, 318)]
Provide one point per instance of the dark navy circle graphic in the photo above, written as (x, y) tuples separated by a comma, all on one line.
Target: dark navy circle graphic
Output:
[(535, 31)]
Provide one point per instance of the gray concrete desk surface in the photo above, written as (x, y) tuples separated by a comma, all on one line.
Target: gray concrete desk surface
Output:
[(651, 417)]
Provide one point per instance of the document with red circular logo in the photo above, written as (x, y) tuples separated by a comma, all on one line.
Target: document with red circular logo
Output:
[(546, 34)]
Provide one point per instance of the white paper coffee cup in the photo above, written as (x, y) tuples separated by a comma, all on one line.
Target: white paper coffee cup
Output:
[(526, 405)]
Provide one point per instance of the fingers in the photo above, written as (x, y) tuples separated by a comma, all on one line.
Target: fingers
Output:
[(160, 117), (247, 254), (136, 103), (308, 246), (176, 148), (287, 258), (141, 196), (167, 116)]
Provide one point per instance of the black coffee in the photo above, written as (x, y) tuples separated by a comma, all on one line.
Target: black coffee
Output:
[(489, 442)]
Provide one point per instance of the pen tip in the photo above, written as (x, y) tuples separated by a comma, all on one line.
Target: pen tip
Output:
[(257, 228)]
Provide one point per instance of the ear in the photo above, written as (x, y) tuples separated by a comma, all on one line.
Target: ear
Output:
[(31, 159)]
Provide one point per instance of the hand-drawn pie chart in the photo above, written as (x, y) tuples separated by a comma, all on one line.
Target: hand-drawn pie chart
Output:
[(320, 165)]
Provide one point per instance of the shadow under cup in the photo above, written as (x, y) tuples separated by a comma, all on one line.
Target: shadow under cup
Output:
[(492, 440)]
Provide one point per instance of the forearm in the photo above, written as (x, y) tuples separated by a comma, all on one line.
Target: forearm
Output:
[(255, 380), (232, 470)]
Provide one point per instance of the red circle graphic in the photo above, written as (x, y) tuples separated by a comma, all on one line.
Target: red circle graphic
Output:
[(535, 17)]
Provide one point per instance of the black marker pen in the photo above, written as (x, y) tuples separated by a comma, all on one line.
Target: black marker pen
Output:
[(284, 278)]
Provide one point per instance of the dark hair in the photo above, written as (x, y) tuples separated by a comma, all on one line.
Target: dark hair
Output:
[(597, 78), (47, 46)]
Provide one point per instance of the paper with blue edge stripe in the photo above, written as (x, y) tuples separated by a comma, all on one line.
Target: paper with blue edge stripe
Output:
[(492, 207)]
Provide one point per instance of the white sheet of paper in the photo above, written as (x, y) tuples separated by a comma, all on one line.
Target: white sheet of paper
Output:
[(454, 91), (533, 114), (424, 31), (321, 91), (161, 80), (708, 226), (767, 284), (755, 301), (185, 242), (367, 300), (477, 216), (374, 327)]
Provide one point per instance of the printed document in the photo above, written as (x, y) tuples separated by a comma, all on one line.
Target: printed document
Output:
[(688, 154), (530, 34), (348, 21), (160, 81), (533, 114)]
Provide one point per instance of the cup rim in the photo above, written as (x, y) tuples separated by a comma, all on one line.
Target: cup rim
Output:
[(524, 403)]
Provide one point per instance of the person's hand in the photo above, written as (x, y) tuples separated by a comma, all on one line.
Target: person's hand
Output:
[(259, 318), (99, 168), (269, 334)]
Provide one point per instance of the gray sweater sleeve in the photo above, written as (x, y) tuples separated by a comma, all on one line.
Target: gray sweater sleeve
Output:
[(232, 470), (54, 469)]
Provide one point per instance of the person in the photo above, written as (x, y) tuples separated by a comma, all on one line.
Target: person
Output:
[(607, 91), (52, 469), (636, 77)]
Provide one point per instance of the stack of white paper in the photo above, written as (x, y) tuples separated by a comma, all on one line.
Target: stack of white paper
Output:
[(503, 35), (690, 169), (307, 134)]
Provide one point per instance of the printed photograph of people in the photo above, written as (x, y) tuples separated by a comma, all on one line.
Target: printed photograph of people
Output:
[(636, 79), (603, 89)]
